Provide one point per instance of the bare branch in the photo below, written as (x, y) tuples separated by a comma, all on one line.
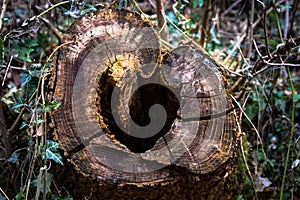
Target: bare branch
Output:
[(293, 17), (3, 10), (162, 24), (204, 22)]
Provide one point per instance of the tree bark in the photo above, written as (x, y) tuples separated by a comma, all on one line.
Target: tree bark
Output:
[(118, 143)]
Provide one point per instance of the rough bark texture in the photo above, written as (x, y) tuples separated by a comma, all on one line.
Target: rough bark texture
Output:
[(194, 154)]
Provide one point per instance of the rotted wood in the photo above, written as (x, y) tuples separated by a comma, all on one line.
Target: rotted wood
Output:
[(98, 74)]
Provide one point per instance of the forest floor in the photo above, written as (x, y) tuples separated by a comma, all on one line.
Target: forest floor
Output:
[(257, 43)]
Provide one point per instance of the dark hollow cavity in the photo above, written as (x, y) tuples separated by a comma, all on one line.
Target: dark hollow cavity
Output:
[(139, 104)]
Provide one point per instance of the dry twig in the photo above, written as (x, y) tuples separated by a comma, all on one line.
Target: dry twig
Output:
[(293, 17), (204, 22), (3, 10), (162, 24)]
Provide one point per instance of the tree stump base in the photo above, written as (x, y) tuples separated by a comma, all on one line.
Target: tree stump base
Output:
[(138, 121)]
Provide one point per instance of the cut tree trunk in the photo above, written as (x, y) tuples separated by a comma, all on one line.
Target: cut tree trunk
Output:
[(111, 74)]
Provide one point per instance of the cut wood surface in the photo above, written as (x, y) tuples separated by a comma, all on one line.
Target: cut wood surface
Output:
[(112, 72)]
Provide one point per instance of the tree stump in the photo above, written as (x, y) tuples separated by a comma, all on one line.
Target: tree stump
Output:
[(138, 121)]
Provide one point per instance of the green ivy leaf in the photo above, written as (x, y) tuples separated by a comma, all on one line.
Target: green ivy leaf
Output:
[(52, 106), (20, 195), (53, 146), (197, 3), (39, 182), (296, 98), (29, 42), (271, 42), (87, 8), (23, 125), (25, 78), (52, 152), (284, 7), (11, 97), (16, 106), (73, 11), (25, 48), (54, 156), (14, 157), (23, 52), (57, 197), (250, 111)]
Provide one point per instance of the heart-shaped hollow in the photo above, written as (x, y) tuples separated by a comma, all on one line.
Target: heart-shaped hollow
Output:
[(139, 104)]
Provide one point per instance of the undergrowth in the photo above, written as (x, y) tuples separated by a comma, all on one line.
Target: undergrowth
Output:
[(257, 42)]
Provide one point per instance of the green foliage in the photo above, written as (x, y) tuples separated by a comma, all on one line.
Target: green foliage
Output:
[(28, 96), (251, 110), (52, 152), (56, 197), (76, 10), (53, 105), (73, 11), (197, 3), (14, 157), (183, 22), (40, 182), (20, 195), (19, 98), (272, 44), (268, 100), (86, 8), (24, 48), (296, 98)]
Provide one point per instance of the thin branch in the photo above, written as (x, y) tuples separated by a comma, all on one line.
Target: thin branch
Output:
[(4, 193), (289, 44), (53, 6), (251, 123), (204, 21), (237, 84), (280, 64), (244, 158), (161, 19), (57, 32), (17, 120), (277, 20), (270, 63), (286, 27), (3, 10), (251, 29), (14, 67), (7, 69), (293, 17), (268, 11), (234, 4), (246, 164), (265, 29), (235, 47)]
